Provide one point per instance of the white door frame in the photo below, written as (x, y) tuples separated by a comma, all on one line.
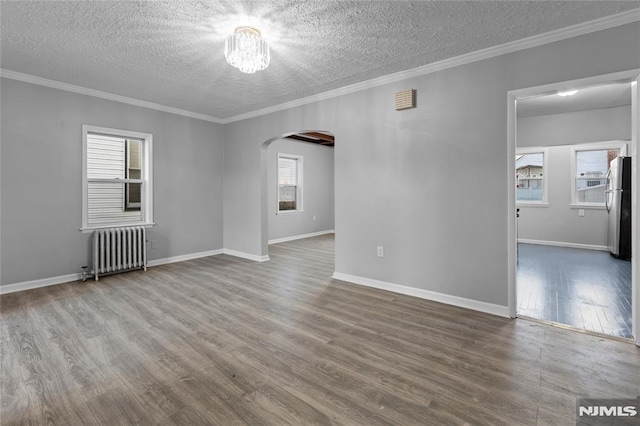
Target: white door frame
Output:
[(513, 96)]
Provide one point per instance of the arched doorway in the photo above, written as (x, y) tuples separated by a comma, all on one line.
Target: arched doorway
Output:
[(297, 187)]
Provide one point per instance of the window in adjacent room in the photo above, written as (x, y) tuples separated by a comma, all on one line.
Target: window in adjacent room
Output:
[(289, 183), (530, 177), (117, 187), (590, 166)]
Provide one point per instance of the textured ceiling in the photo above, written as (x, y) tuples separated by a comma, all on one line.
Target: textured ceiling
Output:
[(588, 98), (171, 52)]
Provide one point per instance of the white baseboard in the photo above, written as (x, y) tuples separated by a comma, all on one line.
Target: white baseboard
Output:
[(45, 282), (243, 255), (299, 237), (489, 308), (182, 258), (563, 244), (29, 285), (190, 256)]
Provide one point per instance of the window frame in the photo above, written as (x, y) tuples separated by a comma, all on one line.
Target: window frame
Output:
[(129, 205), (299, 183), (545, 177), (146, 197), (620, 145)]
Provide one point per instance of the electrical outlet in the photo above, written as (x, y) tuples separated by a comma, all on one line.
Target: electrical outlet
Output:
[(380, 251), (581, 212), (154, 244), (314, 217)]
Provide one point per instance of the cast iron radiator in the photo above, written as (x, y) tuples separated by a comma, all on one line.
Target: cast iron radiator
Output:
[(119, 250)]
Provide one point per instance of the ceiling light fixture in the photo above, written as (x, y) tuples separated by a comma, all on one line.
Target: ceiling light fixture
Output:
[(567, 93), (246, 50)]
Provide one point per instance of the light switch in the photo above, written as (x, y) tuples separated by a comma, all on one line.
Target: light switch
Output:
[(581, 212)]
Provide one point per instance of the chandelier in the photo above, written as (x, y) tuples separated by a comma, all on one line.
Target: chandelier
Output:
[(246, 50)]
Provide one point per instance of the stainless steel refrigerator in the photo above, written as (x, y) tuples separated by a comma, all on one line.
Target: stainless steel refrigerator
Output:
[(618, 202)]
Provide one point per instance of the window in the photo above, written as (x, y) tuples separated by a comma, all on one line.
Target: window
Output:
[(530, 177), (289, 183), (117, 187), (133, 170), (590, 166)]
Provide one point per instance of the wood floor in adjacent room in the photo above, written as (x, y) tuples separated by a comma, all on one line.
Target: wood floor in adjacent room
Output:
[(227, 341), (586, 289)]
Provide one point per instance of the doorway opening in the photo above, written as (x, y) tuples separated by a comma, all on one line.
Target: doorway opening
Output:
[(298, 188), (570, 237)]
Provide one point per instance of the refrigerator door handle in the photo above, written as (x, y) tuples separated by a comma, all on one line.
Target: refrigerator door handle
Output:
[(606, 192)]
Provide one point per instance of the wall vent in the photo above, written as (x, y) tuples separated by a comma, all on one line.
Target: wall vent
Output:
[(405, 99)]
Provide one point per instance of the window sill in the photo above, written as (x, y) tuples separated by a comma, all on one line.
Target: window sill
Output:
[(532, 204), (90, 229), (288, 212), (588, 206)]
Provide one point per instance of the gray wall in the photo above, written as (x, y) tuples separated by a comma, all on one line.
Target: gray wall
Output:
[(575, 128), (318, 188), (558, 222), (398, 179), (42, 179)]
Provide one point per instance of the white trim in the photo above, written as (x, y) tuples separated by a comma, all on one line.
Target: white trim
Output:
[(479, 55), (512, 96), (462, 302), (634, 150), (182, 258), (299, 159), (90, 229), (563, 244), (545, 172), (512, 227), (248, 256), (599, 24), (587, 206), (27, 78), (301, 236), (45, 282), (620, 145), (288, 212), (530, 204), (566, 85), (147, 159), (147, 206)]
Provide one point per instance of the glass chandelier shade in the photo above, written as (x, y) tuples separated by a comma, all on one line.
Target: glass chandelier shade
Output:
[(246, 50)]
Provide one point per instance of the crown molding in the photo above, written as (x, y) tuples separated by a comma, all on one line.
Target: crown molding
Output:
[(479, 55), (27, 78), (491, 52)]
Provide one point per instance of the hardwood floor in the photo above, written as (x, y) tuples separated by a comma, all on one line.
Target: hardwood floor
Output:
[(227, 341), (587, 289)]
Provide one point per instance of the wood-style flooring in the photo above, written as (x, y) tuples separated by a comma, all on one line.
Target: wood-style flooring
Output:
[(586, 289), (226, 341)]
